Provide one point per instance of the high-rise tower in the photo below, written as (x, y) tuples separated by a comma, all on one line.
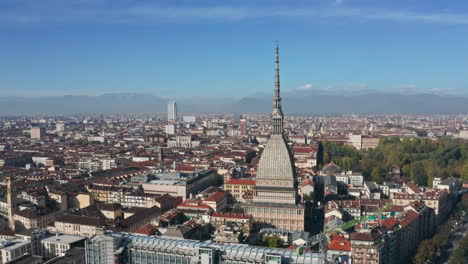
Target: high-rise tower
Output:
[(171, 111), (275, 201)]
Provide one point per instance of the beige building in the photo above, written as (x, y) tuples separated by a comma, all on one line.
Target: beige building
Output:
[(78, 225), (245, 221), (240, 189), (363, 142), (275, 199), (38, 132), (83, 200), (29, 218), (438, 200)]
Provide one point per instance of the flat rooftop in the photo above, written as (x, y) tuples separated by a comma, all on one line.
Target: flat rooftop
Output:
[(15, 243), (63, 239)]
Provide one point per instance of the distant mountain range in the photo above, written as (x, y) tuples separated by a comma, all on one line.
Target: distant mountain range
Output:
[(365, 103), (297, 102)]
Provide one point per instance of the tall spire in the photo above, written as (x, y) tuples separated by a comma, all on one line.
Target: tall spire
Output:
[(277, 114), (277, 98)]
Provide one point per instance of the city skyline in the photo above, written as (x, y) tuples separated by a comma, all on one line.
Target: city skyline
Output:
[(233, 132), (181, 49)]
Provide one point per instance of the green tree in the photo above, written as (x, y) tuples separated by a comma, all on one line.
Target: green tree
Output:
[(273, 241), (418, 173), (464, 172), (406, 170), (460, 254), (433, 171), (346, 164), (383, 141), (377, 175), (425, 252)]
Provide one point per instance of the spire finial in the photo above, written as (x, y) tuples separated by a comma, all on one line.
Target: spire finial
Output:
[(277, 82), (277, 55), (277, 115)]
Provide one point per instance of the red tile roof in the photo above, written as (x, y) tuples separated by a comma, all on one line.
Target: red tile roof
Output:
[(408, 218), (148, 229), (366, 236), (191, 204), (413, 187), (241, 182), (339, 243), (215, 197), (389, 223), (304, 149)]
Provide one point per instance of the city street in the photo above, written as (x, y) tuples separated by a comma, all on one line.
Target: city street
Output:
[(454, 238)]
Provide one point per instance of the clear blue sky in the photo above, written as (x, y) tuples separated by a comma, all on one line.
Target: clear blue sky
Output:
[(226, 48)]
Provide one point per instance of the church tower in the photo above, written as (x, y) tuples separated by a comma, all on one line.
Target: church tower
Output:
[(11, 203), (275, 200)]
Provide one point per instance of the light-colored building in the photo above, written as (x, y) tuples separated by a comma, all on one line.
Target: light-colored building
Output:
[(133, 248), (183, 141), (463, 134), (189, 119), (439, 200), (60, 243), (171, 111), (451, 184), (244, 221), (182, 184), (60, 127), (240, 189), (170, 129), (275, 196), (14, 248), (363, 142), (33, 218), (78, 225), (96, 164), (38, 132)]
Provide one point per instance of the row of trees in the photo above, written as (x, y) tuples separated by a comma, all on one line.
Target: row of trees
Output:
[(420, 160), (460, 254), (428, 248)]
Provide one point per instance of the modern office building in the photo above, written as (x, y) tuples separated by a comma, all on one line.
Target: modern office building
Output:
[(275, 200), (130, 248), (171, 111)]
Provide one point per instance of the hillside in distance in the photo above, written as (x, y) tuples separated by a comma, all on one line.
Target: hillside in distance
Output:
[(293, 103), (368, 103)]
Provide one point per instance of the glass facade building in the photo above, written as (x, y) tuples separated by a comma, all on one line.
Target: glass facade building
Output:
[(138, 249)]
